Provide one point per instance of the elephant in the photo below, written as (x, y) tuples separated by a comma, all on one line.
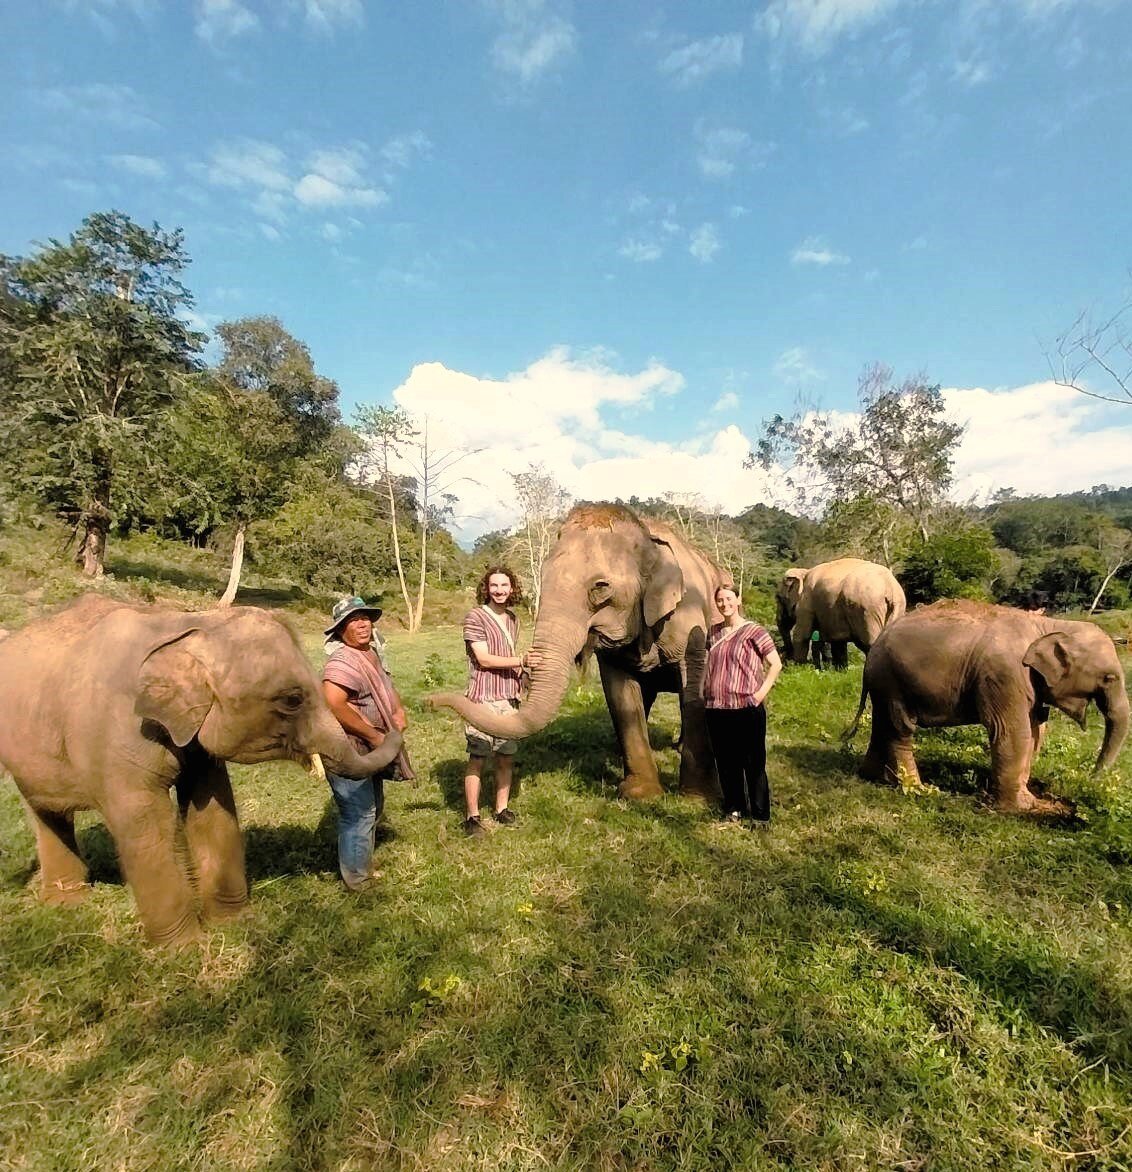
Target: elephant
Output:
[(960, 662), (642, 599), (847, 600), (106, 706)]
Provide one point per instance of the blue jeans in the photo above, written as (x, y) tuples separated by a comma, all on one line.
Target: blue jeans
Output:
[(360, 803)]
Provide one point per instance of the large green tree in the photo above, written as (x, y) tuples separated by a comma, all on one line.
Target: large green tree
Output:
[(96, 348), (237, 437), (897, 450)]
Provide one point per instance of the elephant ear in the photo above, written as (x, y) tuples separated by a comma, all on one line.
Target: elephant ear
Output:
[(173, 689), (665, 586), (1050, 658)]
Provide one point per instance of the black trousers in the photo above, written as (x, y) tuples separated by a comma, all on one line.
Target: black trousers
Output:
[(738, 740)]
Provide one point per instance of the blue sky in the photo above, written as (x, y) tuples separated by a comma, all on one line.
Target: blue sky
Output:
[(634, 229)]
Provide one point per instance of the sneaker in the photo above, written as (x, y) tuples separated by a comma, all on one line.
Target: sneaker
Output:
[(506, 817), (473, 827), (734, 816)]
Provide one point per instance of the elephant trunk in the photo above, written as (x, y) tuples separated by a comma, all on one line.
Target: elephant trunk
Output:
[(332, 744), (1113, 702), (557, 642)]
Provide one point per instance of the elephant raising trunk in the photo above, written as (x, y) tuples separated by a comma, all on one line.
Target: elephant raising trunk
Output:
[(557, 642), (637, 593)]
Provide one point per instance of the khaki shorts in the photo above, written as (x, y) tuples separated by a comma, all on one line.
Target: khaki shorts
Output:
[(480, 744)]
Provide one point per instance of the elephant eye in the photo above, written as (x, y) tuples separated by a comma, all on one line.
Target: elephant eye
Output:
[(292, 700), (600, 592)]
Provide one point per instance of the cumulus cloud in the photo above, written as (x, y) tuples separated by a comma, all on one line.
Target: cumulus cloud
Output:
[(140, 165), (720, 149), (704, 243), (1038, 438), (814, 251), (698, 60), (726, 402), (218, 21), (404, 149), (535, 39), (562, 412), (249, 162)]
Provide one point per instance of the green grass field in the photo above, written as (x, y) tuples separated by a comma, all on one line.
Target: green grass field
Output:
[(885, 980)]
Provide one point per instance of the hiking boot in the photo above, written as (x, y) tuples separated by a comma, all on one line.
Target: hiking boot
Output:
[(506, 817), (473, 827)]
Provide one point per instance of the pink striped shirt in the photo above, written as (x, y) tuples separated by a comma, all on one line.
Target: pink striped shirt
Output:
[(736, 665), (491, 683)]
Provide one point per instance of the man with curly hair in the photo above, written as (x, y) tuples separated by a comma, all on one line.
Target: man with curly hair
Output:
[(495, 671)]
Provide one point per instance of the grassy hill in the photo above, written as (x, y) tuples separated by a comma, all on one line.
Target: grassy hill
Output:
[(885, 980)]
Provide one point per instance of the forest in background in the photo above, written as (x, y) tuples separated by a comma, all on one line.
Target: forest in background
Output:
[(117, 423)]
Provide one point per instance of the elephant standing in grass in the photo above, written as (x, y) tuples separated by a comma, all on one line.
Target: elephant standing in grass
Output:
[(847, 600), (642, 599), (958, 662), (105, 706)]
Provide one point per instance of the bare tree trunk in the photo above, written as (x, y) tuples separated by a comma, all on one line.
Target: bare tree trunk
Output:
[(1104, 586), (418, 615), (397, 547), (91, 554), (229, 595)]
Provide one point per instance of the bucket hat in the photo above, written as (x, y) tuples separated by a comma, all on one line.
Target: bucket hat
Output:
[(345, 607)]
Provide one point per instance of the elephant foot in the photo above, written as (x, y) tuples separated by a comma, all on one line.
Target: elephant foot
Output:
[(221, 908), (186, 933), (872, 770), (639, 789), (64, 892), (1031, 805), (700, 793)]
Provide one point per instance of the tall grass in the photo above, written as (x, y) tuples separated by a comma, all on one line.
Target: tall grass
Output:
[(884, 980)]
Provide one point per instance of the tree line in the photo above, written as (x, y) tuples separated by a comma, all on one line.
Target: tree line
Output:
[(115, 421)]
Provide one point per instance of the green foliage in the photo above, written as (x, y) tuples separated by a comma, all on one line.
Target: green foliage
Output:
[(95, 347), (898, 450), (955, 563)]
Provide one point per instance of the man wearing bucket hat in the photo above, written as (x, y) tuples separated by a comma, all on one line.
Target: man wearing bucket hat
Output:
[(362, 697)]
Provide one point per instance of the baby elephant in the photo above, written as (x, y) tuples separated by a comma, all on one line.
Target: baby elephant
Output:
[(105, 706), (958, 662)]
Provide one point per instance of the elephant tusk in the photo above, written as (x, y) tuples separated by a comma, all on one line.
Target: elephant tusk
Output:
[(317, 768)]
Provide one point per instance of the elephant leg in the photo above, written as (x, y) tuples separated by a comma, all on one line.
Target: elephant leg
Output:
[(143, 823), (839, 654), (698, 778), (62, 872), (1012, 754), (212, 832), (890, 757), (626, 703)]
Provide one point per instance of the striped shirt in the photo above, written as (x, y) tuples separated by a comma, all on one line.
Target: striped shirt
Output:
[(491, 683), (339, 670), (736, 665)]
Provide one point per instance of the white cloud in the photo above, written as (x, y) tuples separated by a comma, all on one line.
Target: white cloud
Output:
[(270, 231), (814, 25), (317, 191), (141, 165), (331, 232), (696, 61), (970, 72), (115, 104), (535, 39), (248, 162), (814, 251), (340, 165), (218, 21), (640, 251), (558, 412), (705, 243), (324, 15), (722, 148), (794, 366), (1038, 438), (726, 402), (402, 150)]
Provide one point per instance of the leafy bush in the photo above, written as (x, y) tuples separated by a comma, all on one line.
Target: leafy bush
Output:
[(955, 564)]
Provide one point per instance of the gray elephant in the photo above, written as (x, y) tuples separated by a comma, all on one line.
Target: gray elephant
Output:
[(642, 598), (848, 600), (959, 662), (105, 706)]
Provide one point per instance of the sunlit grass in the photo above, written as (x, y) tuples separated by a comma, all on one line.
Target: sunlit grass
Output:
[(882, 981)]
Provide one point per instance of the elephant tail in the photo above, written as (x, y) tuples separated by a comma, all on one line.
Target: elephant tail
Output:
[(848, 735)]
